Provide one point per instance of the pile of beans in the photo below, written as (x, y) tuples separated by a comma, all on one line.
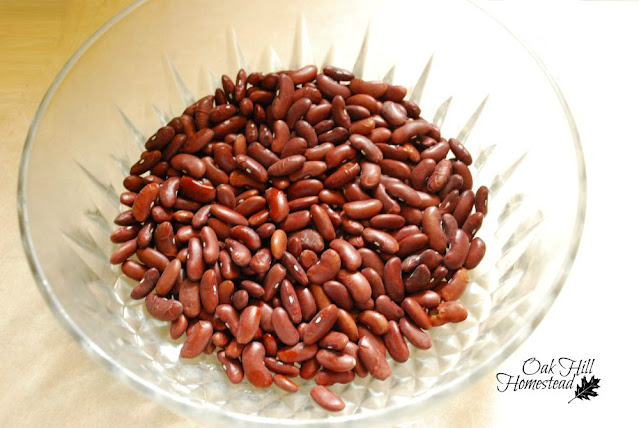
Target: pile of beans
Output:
[(301, 224)]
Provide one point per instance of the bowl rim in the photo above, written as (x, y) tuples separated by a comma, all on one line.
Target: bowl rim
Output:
[(187, 406)]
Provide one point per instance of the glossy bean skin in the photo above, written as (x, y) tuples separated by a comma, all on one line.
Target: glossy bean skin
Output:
[(375, 321), (380, 239), (458, 251), (357, 285), (208, 291), (456, 286), (476, 252), (339, 294), (284, 327), (395, 344), (431, 224), (249, 322), (163, 309), (197, 340), (416, 313), (327, 267), (322, 222), (418, 338), (297, 353), (393, 282), (327, 377), (349, 256), (334, 361), (254, 367), (325, 398), (334, 341), (448, 312), (374, 361), (321, 324), (232, 367)]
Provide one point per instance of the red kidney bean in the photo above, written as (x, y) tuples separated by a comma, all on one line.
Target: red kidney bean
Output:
[(418, 279), (394, 342), (473, 224), (134, 270), (286, 166), (189, 296), (309, 369), (334, 361), (160, 139), (320, 325), (359, 173), (412, 244), (464, 206), (393, 282), (278, 204), (342, 175), (458, 251), (284, 98), (409, 130), (178, 327), (375, 89), (418, 338), (431, 224), (476, 252), (234, 349), (334, 341), (168, 278), (229, 316), (374, 320), (290, 302), (440, 176), (161, 308), (285, 383), (278, 243), (349, 256), (456, 286), (374, 361), (152, 258), (189, 164), (146, 285), (362, 209), (460, 151), (339, 294), (481, 200), (297, 353), (248, 324), (327, 399), (208, 291), (197, 340), (254, 367), (232, 367), (195, 261), (144, 201), (227, 215), (357, 285), (447, 312), (124, 234), (327, 377), (338, 74), (416, 313)]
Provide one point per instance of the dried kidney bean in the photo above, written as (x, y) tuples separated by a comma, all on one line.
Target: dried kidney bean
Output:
[(322, 207)]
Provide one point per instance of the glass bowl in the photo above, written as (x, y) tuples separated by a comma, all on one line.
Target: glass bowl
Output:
[(466, 71)]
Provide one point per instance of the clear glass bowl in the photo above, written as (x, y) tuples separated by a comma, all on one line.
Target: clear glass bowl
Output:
[(147, 63)]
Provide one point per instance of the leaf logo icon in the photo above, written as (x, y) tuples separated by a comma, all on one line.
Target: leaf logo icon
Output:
[(586, 389)]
